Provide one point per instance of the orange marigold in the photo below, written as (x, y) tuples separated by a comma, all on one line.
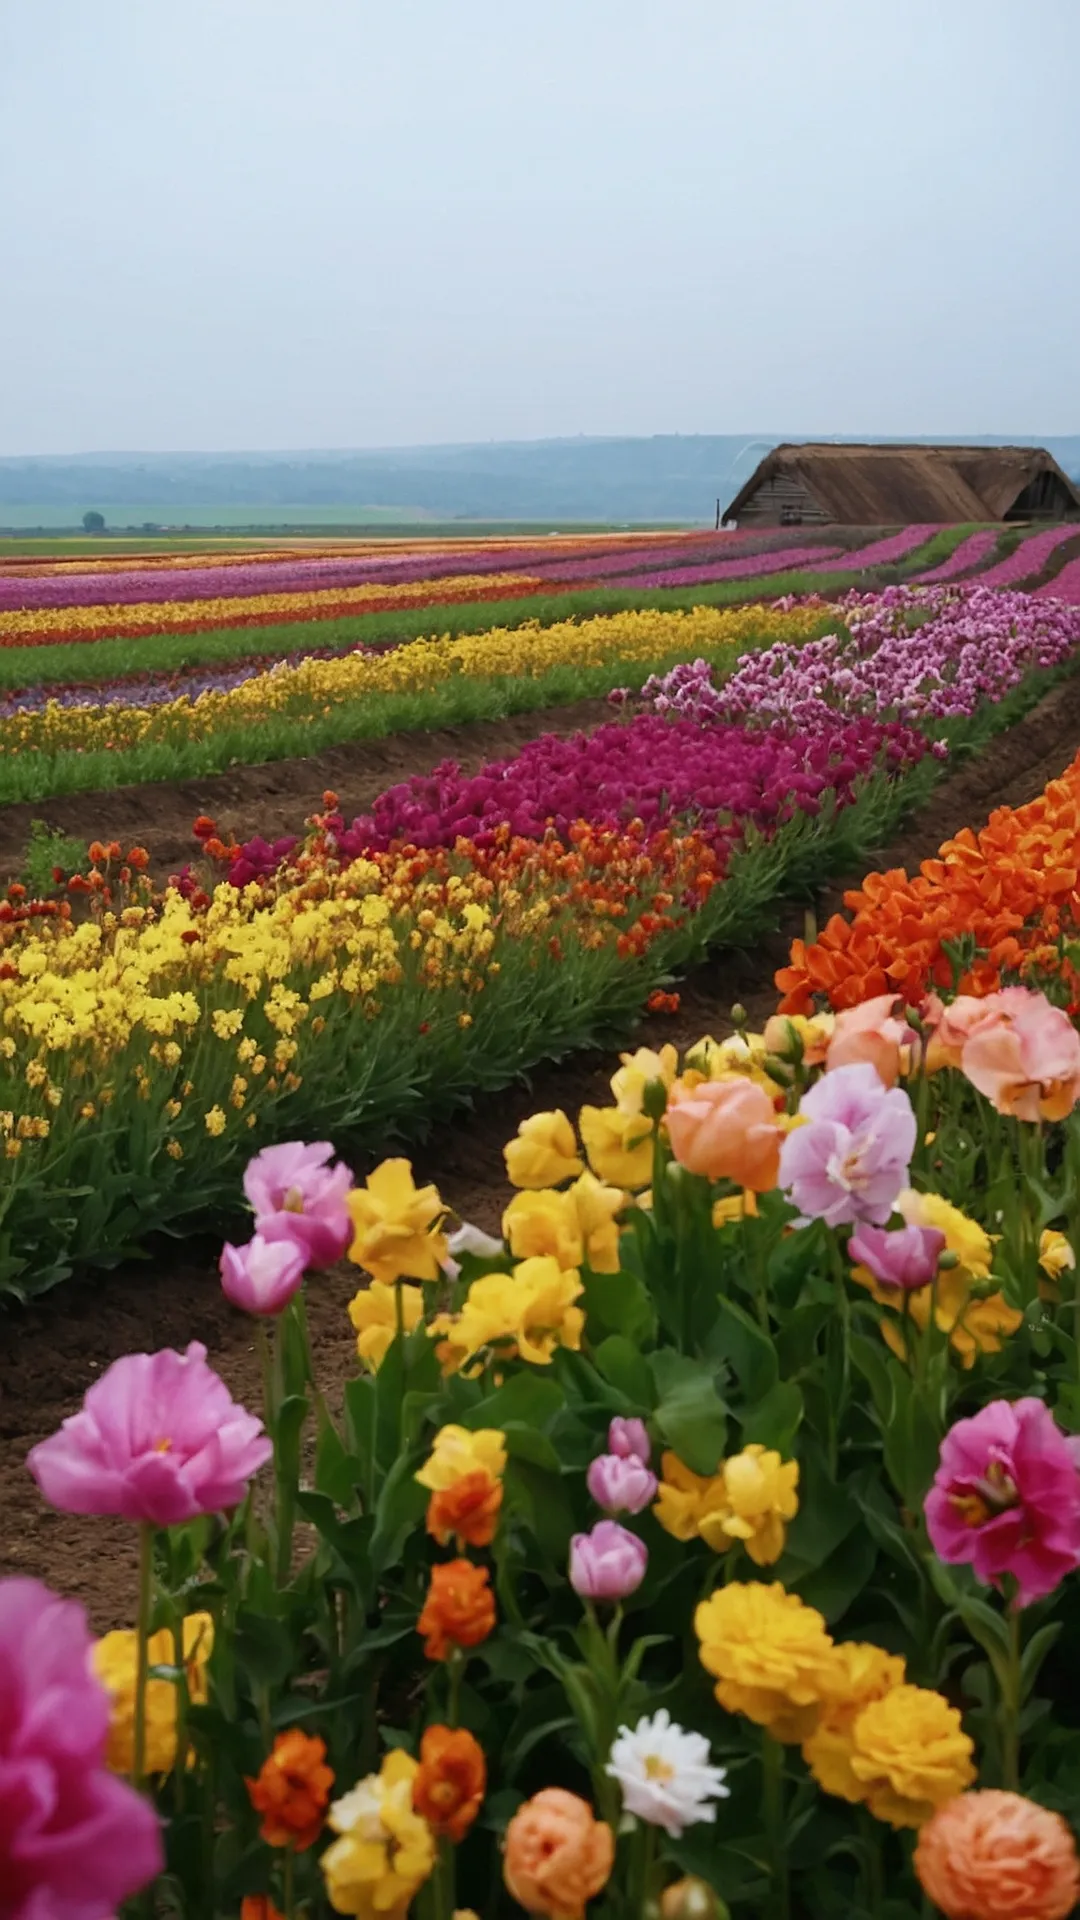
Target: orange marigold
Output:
[(467, 1511), (292, 1791), (449, 1789), (459, 1610), (992, 1856), (558, 1855)]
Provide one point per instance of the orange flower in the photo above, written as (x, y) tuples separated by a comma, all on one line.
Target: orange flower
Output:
[(996, 1856), (459, 1610), (292, 1791), (450, 1786), (468, 1510), (726, 1129), (558, 1856), (259, 1906)]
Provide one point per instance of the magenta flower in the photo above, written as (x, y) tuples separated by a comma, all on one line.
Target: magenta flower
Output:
[(74, 1841), (158, 1439), (620, 1485), (850, 1160), (294, 1194), (630, 1440), (263, 1276), (607, 1564), (907, 1258), (1006, 1498)]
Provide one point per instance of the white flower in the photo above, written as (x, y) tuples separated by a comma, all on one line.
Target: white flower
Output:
[(470, 1239), (665, 1774)]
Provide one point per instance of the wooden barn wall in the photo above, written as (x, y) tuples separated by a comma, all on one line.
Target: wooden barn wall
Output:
[(781, 501)]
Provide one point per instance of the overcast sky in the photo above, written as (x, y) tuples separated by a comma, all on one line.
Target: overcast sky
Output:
[(247, 224)]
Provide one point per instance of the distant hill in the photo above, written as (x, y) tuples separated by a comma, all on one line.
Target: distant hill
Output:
[(669, 477)]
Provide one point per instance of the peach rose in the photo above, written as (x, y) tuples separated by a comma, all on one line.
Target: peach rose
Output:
[(726, 1129), (558, 1856), (1026, 1058), (993, 1856), (871, 1033), (952, 1025)]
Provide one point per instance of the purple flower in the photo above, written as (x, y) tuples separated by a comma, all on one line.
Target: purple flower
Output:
[(263, 1276), (621, 1485), (607, 1564), (295, 1196), (906, 1258), (630, 1440), (850, 1160)]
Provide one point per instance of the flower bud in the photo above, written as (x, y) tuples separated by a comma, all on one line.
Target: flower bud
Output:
[(607, 1564), (692, 1899), (654, 1099), (739, 1017)]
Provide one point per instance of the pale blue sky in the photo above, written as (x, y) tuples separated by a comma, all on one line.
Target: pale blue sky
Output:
[(345, 223)]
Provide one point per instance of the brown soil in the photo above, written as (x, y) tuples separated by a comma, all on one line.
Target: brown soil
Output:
[(50, 1353)]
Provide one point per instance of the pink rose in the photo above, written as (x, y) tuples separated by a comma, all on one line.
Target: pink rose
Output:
[(158, 1439), (294, 1193), (1006, 1498), (74, 1841), (607, 1564)]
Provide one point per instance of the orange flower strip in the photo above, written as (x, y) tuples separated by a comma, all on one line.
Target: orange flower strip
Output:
[(468, 1511), (449, 1789), (1010, 891), (292, 1791), (459, 1610), (558, 1855)]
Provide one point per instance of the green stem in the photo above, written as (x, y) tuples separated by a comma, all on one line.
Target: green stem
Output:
[(142, 1656), (455, 1669), (1010, 1708), (772, 1766), (180, 1765), (289, 1883)]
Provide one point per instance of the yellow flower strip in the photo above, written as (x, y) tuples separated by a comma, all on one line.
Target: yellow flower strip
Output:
[(42, 622), (314, 686)]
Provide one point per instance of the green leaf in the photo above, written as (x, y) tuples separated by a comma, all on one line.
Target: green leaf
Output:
[(338, 1472), (622, 1366), (618, 1303), (1035, 1653), (541, 1499), (776, 1419), (526, 1400), (399, 1511), (690, 1413), (263, 1647), (747, 1350), (841, 1577), (872, 1361)]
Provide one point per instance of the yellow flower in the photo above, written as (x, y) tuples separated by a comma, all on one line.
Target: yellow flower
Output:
[(619, 1145), (787, 1034), (385, 1851), (529, 1312), (543, 1152), (575, 1225), (637, 1071), (394, 1221), (909, 1755), (457, 1451), (115, 1659), (863, 1673), (373, 1313), (684, 1499), (770, 1654), (1056, 1256), (760, 1497), (736, 1207), (214, 1122), (973, 1326)]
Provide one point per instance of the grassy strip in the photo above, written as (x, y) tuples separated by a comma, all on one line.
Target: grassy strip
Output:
[(76, 663), (370, 1078), (29, 776)]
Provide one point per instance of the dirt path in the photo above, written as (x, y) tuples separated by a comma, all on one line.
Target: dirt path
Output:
[(50, 1354)]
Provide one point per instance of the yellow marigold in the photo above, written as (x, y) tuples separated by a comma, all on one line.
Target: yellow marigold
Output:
[(619, 1145), (638, 1070), (759, 1498), (910, 1754), (395, 1221), (115, 1660), (543, 1153), (771, 1656), (385, 1851), (457, 1451), (573, 1226), (863, 1673), (684, 1499), (373, 1313)]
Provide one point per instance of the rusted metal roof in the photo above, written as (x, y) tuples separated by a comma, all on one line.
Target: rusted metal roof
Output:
[(885, 485)]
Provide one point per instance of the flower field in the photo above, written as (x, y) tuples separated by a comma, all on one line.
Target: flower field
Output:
[(690, 1527)]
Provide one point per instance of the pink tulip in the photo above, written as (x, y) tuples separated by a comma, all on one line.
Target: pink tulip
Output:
[(907, 1258), (621, 1486), (630, 1440), (851, 1160), (870, 1033), (1026, 1058), (295, 1194), (74, 1840), (158, 1439), (607, 1564), (1006, 1498), (263, 1276)]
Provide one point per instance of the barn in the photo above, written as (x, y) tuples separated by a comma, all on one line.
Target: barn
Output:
[(821, 484)]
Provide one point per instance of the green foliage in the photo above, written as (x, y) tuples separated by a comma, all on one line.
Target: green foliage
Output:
[(50, 852)]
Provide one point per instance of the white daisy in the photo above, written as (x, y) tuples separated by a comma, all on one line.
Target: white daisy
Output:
[(664, 1774)]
